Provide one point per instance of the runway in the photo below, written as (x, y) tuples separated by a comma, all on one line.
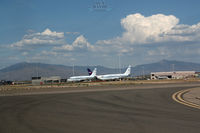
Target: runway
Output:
[(149, 110)]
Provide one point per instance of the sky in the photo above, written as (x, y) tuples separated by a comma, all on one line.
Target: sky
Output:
[(99, 32)]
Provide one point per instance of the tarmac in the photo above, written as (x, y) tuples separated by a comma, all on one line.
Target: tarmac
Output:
[(192, 96), (101, 109)]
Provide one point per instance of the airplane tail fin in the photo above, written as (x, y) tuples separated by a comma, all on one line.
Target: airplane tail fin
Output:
[(128, 70), (94, 72), (89, 71)]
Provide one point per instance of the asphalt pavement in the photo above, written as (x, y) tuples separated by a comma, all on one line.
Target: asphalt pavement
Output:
[(135, 110), (193, 96)]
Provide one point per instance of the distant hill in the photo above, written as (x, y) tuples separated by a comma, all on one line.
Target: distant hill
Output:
[(24, 70)]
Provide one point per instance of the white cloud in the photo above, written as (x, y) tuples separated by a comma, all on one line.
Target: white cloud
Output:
[(144, 38), (185, 33), (45, 37), (47, 53), (140, 29), (48, 32), (153, 29), (79, 43)]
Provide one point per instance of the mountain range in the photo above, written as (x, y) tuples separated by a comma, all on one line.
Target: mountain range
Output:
[(24, 71)]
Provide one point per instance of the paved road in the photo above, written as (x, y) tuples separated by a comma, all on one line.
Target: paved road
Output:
[(127, 111)]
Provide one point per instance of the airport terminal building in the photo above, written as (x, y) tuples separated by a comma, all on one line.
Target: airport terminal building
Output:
[(172, 75)]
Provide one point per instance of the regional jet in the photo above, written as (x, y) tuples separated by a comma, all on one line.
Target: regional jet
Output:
[(115, 76), (83, 78)]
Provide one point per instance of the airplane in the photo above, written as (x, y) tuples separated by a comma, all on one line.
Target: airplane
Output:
[(89, 71), (115, 76), (83, 78)]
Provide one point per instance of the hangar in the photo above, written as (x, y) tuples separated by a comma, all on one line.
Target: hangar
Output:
[(45, 80), (172, 75)]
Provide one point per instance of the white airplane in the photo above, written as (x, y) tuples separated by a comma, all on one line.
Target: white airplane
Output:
[(83, 78), (115, 76)]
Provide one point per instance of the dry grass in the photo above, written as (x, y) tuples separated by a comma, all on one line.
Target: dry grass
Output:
[(85, 84)]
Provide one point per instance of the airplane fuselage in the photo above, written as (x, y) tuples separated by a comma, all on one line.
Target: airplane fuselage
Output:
[(115, 76), (83, 78), (80, 78), (111, 76)]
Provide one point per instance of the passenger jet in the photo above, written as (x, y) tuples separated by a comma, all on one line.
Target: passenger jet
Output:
[(113, 76), (83, 78)]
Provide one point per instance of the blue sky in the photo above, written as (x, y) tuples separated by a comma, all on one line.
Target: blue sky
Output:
[(99, 32)]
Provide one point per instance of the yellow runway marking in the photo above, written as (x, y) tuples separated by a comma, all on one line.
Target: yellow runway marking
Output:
[(178, 97)]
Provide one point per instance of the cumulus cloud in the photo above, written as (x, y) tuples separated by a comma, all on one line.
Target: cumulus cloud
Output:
[(146, 37), (140, 29), (153, 29), (79, 43), (45, 37), (185, 32)]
